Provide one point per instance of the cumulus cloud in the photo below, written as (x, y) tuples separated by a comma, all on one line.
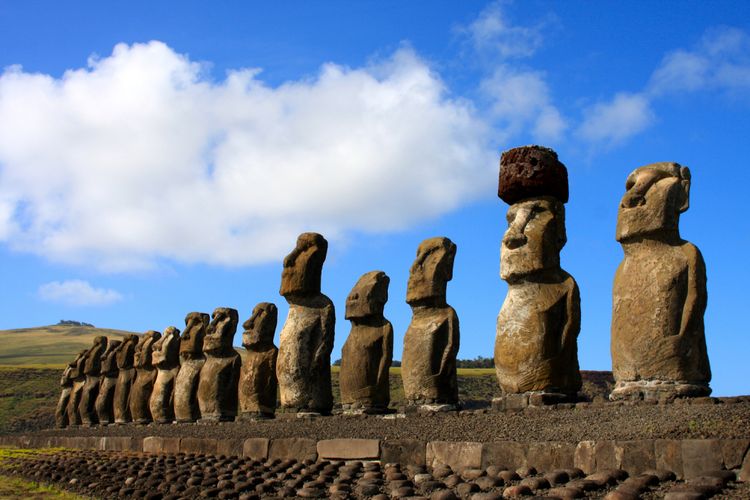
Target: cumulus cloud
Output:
[(491, 33), (77, 293), (610, 123), (140, 156)]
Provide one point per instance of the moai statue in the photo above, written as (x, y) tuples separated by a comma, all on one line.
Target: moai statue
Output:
[(368, 351), (145, 376), (125, 375), (66, 382), (659, 296), (191, 362), (217, 389), (92, 370), (536, 347), (79, 380), (257, 392), (166, 359), (428, 365), (306, 340), (107, 384)]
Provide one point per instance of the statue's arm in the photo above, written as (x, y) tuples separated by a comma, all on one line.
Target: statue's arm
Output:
[(387, 357), (572, 325), (327, 326), (696, 297), (451, 349)]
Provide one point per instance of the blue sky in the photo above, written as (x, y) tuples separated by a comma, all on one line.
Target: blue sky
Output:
[(157, 159)]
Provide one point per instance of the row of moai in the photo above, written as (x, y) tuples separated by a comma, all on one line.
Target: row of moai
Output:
[(658, 343)]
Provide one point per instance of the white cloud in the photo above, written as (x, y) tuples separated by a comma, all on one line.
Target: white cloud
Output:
[(610, 123), (77, 293), (140, 157), (491, 33), (521, 100)]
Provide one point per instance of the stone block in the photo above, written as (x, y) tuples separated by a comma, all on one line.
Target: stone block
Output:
[(635, 456), (700, 455), (606, 458), (744, 474), (668, 454), (229, 447), (198, 445), (297, 448), (733, 451), (403, 451), (548, 456), (584, 458), (255, 448), (458, 455), (509, 454), (156, 444), (118, 444), (349, 449)]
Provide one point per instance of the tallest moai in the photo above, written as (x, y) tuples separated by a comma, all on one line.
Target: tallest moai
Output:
[(536, 346), (659, 294)]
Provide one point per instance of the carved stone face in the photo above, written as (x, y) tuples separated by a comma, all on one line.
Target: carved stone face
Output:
[(167, 349), (369, 295), (77, 364), (191, 342), (144, 349), (126, 351), (534, 238), (655, 196), (303, 267), (109, 361), (221, 331), (431, 271), (260, 328)]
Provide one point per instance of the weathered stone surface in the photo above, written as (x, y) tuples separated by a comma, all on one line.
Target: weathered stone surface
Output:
[(191, 362), (635, 456), (166, 359), (154, 444), (536, 348), (659, 297), (548, 456), (258, 385), (668, 455), (510, 454), (92, 370), (145, 375), (733, 451), (428, 366), (368, 351), (404, 451), (297, 448), (125, 374), (79, 379), (348, 449), (531, 171), (255, 448), (218, 386), (105, 400), (113, 443), (66, 382), (457, 455), (304, 360), (744, 474), (229, 447), (699, 456), (198, 445)]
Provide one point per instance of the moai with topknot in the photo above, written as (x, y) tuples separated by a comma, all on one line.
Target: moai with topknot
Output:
[(79, 380), (217, 389), (107, 384), (368, 351), (428, 365), (125, 375), (145, 376), (66, 382), (659, 295), (92, 370), (306, 340), (166, 359), (191, 362), (536, 346), (258, 385)]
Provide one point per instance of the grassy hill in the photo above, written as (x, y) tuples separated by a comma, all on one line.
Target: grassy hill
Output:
[(52, 346)]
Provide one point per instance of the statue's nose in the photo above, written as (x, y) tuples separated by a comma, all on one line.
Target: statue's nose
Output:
[(515, 240), (633, 199)]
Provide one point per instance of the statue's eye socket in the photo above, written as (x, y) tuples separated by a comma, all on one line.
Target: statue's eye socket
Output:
[(629, 184)]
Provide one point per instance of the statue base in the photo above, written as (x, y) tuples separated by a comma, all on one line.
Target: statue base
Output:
[(212, 419), (252, 416), (657, 390), (430, 406), (523, 400)]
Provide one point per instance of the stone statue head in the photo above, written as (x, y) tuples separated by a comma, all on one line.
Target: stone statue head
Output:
[(303, 267), (220, 333), (109, 357), (431, 272), (75, 367), (166, 351), (191, 342), (94, 356), (261, 326), (369, 295), (144, 349), (655, 196), (534, 238), (126, 352)]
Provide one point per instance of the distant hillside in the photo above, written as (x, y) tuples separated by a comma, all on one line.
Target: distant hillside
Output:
[(49, 345)]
